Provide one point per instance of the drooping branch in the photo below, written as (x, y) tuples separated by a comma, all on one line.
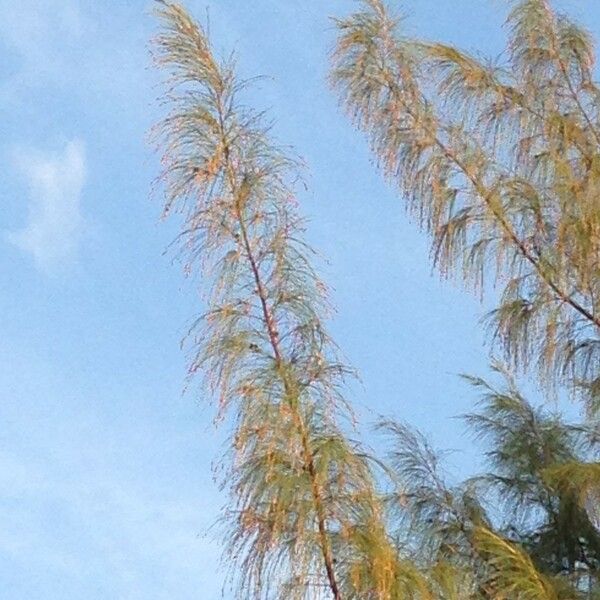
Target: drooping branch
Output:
[(270, 324), (499, 165), (303, 498)]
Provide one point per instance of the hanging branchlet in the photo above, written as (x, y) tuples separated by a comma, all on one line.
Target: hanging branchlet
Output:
[(304, 518), (501, 164), (531, 453), (435, 520), (527, 527), (512, 573)]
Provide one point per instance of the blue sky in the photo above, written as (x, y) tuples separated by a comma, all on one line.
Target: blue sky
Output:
[(106, 488)]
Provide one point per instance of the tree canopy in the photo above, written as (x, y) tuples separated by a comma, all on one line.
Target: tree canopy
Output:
[(499, 162), (501, 165)]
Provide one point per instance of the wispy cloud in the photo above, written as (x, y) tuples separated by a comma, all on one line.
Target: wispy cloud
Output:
[(53, 231)]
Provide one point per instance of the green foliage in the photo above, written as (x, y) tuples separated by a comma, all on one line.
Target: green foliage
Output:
[(528, 447), (530, 521), (501, 165), (513, 575), (304, 515), (435, 520), (579, 479)]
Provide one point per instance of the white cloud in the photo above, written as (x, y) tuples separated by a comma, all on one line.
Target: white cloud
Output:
[(53, 232)]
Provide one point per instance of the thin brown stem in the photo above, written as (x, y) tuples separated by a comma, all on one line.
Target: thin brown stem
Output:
[(290, 394), (509, 231), (482, 191)]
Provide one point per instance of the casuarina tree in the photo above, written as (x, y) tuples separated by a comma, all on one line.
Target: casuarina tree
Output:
[(501, 165)]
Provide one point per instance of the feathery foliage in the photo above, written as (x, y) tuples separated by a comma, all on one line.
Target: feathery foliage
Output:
[(528, 527), (501, 165), (304, 515), (527, 446), (512, 574)]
